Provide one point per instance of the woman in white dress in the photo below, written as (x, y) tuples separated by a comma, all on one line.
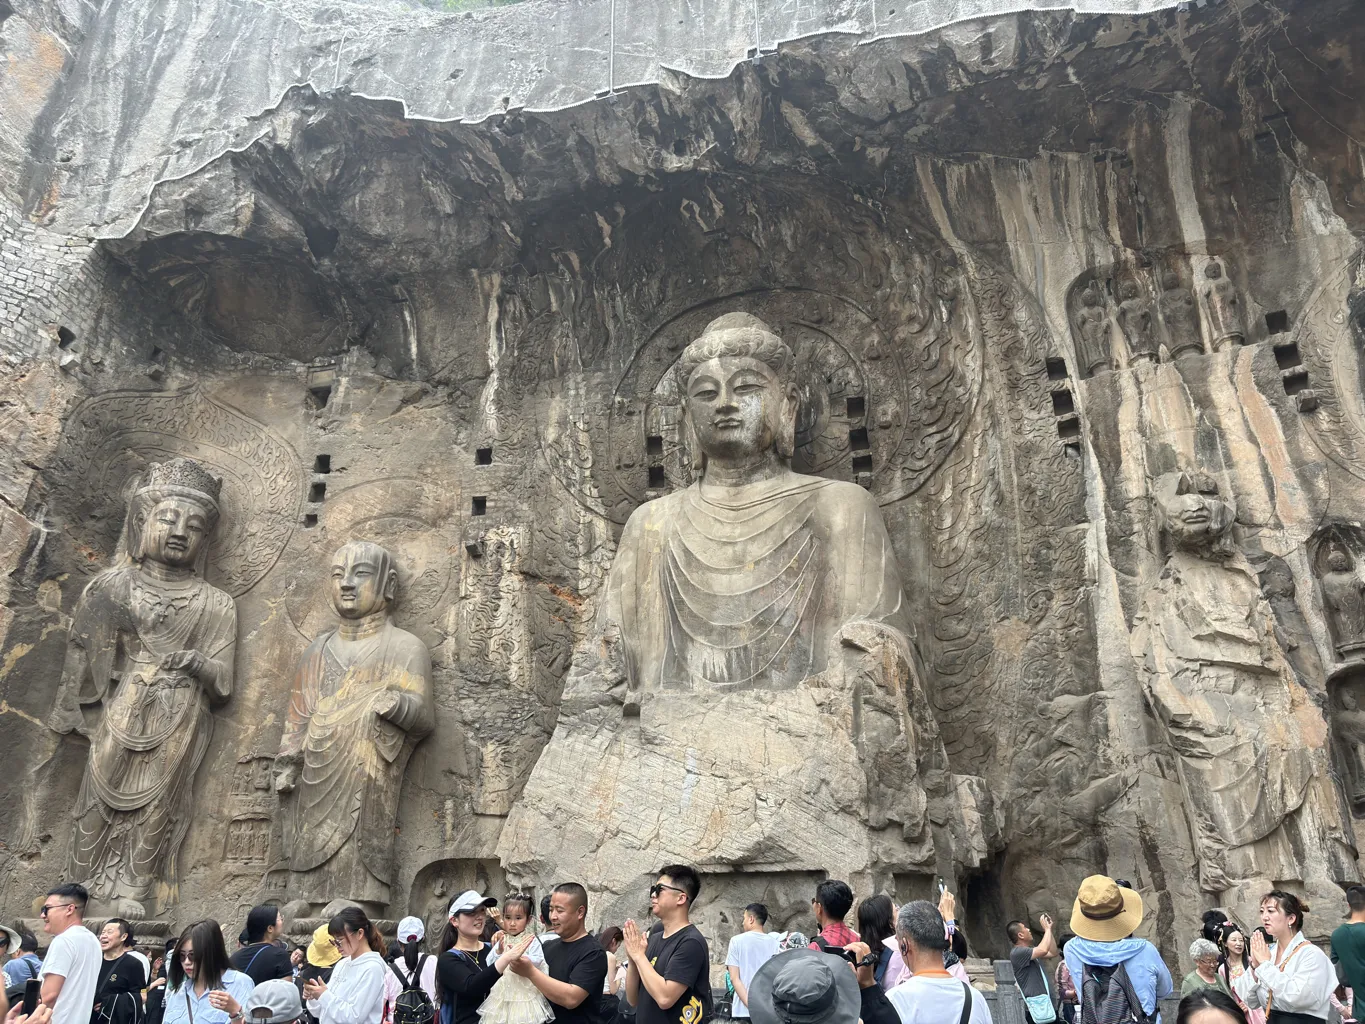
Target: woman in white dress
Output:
[(1290, 978)]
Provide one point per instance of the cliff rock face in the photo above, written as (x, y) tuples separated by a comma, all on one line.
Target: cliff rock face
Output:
[(1053, 280)]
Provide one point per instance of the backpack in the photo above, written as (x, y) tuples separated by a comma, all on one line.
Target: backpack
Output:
[(1107, 997), (413, 1005), (15, 993)]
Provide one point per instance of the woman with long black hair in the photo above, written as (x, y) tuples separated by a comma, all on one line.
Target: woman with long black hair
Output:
[(466, 971), (1235, 960), (118, 992), (876, 924), (201, 988), (355, 993)]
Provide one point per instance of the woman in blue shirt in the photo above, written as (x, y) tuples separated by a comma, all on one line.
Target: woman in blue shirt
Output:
[(200, 986)]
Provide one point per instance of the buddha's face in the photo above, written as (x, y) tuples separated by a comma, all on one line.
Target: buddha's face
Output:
[(737, 406), (1338, 560), (358, 584), (175, 532), (1195, 516)]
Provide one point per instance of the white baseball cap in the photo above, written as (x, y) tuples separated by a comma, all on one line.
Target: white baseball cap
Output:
[(471, 900), (411, 929)]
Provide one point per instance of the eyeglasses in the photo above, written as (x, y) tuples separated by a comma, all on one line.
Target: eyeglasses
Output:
[(53, 906), (188, 956), (657, 889)]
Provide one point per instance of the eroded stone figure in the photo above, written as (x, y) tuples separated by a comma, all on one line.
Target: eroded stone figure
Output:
[(1180, 313), (1230, 705), (1348, 729), (361, 701), (1135, 319), (1092, 328), (745, 618), (154, 642), (1224, 308), (1343, 594)]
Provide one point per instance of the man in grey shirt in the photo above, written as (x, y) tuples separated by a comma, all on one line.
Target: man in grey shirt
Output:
[(1024, 957)]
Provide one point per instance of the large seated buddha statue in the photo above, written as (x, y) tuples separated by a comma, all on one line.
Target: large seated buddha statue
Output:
[(749, 700)]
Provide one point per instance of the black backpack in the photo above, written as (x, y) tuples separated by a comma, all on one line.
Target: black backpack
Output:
[(1107, 997), (413, 1005)]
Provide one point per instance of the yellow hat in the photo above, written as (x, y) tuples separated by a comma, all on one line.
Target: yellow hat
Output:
[(1105, 911), (322, 952)]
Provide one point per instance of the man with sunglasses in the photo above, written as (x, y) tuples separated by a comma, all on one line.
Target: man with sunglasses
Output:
[(669, 978), (71, 968)]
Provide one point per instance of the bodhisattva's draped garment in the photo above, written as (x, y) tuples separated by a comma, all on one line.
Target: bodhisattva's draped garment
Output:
[(353, 759)]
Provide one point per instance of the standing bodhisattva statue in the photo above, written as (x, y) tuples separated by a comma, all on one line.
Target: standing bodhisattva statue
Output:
[(361, 701), (154, 642)]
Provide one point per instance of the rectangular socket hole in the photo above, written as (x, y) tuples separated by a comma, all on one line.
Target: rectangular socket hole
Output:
[(65, 336), (862, 464), (479, 505), (317, 492), (156, 355), (1277, 322), (656, 476), (1069, 428), (857, 439), (1072, 449), (1062, 402), (322, 464), (654, 446), (857, 407), (321, 395), (483, 456), (1295, 382), (1287, 356), (1056, 369), (310, 520)]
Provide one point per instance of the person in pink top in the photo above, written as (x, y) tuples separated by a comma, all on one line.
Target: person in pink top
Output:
[(896, 969)]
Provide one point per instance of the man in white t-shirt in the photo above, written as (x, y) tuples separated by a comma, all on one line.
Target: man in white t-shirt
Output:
[(71, 968), (749, 950), (931, 995)]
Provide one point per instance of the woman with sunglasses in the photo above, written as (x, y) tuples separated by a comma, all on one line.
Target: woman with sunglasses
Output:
[(355, 993), (201, 988)]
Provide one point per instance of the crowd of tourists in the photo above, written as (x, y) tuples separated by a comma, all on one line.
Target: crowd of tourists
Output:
[(493, 965)]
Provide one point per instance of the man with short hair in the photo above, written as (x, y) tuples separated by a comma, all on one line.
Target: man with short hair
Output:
[(748, 951), (669, 978), (72, 966), (833, 900), (930, 995), (1348, 943), (24, 963), (1024, 956), (575, 966), (262, 957)]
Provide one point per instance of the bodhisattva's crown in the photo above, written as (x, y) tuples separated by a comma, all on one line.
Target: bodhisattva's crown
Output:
[(182, 474)]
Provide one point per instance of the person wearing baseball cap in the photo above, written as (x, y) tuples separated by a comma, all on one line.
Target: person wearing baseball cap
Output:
[(1103, 918), (273, 1002), (410, 963), (466, 970)]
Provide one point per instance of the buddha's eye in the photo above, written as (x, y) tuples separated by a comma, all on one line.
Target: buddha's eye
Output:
[(748, 388), (705, 394)]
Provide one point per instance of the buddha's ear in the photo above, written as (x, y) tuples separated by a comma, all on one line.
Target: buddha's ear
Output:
[(391, 585), (695, 454), (786, 428)]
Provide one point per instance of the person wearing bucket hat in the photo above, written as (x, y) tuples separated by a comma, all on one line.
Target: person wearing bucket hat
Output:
[(805, 986), (1103, 918)]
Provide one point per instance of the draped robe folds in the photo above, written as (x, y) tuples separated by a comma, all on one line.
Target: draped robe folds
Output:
[(742, 588), (353, 759), (133, 809)]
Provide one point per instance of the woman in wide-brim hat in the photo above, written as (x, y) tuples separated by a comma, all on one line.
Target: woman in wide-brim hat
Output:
[(1103, 918), (1105, 911)]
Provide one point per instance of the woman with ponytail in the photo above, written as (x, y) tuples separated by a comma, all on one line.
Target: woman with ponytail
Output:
[(355, 992), (411, 968)]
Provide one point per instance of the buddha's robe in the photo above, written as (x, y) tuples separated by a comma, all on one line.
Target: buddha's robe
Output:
[(353, 759), (134, 804)]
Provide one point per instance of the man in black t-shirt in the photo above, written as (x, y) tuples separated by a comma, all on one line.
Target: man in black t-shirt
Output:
[(669, 978), (261, 957), (575, 966)]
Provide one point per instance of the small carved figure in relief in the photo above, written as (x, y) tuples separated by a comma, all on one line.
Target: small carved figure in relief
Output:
[(1348, 729), (1092, 325), (1224, 307), (1135, 318), (1222, 689), (154, 642), (361, 701), (1343, 594), (1181, 315)]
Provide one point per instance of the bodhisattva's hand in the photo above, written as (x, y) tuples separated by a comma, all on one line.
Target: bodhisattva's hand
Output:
[(286, 776), (1260, 952), (387, 703), (190, 662), (634, 940), (867, 976)]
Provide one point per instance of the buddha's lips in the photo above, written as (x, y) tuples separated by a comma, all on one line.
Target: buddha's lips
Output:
[(727, 423)]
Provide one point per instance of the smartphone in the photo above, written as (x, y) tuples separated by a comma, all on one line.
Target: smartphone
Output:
[(942, 887), (33, 988)]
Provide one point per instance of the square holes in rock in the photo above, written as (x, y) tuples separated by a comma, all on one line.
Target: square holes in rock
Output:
[(862, 464), (1069, 427), (1287, 356), (479, 505), (1056, 369), (317, 492), (65, 337), (483, 456), (657, 478), (654, 446), (857, 407), (1277, 322), (857, 439), (1062, 403), (322, 464), (1295, 382), (320, 395), (310, 520)]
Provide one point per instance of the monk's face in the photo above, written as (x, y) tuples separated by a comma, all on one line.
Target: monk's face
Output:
[(357, 583), (736, 405), (1195, 515), (175, 532)]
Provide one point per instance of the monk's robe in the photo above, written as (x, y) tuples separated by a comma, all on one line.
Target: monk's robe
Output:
[(353, 759)]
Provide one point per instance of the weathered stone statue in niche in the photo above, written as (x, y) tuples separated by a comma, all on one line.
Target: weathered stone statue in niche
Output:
[(1224, 307), (154, 642), (1135, 318), (748, 618), (1180, 313), (1092, 329), (1343, 595), (361, 701), (1229, 703), (1348, 729)]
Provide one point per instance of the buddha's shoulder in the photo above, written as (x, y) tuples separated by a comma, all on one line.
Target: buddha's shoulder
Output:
[(843, 494), (658, 510)]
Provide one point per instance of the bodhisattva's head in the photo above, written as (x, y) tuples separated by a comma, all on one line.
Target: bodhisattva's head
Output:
[(740, 398), (176, 503), (1338, 559), (364, 580), (1191, 511)]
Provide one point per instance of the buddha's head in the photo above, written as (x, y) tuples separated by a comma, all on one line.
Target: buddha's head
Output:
[(175, 506), (739, 393), (1339, 559), (1192, 512), (364, 580)]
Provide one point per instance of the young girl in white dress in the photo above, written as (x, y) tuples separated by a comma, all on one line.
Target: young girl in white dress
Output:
[(514, 999)]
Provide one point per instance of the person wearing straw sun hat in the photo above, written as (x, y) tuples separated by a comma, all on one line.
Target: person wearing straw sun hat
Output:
[(1103, 918)]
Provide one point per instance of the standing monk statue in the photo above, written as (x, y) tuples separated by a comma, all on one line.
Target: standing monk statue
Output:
[(361, 702), (154, 642)]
